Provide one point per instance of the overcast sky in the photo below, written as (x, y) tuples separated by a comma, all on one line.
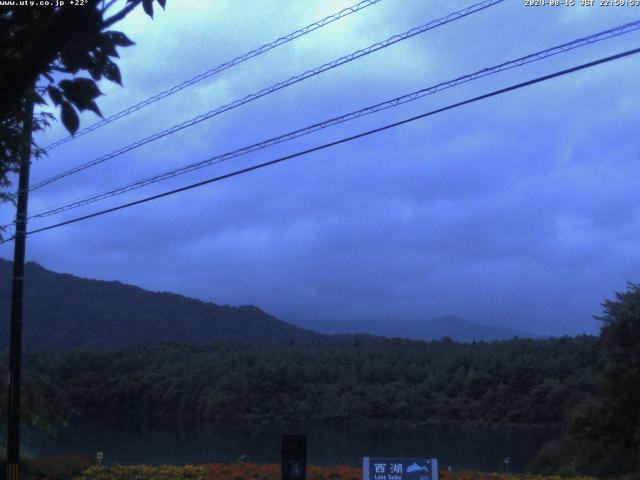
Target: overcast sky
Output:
[(521, 210)]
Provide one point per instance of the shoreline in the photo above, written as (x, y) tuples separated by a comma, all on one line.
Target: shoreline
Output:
[(116, 418)]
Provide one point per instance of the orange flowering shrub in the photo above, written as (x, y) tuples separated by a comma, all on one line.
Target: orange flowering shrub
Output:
[(144, 472), (254, 471), (79, 467)]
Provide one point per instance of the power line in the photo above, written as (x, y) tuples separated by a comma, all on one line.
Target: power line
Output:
[(220, 68), (278, 86), (540, 55), (341, 141), (11, 227)]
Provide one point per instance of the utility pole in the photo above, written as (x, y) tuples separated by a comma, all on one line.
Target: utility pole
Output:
[(15, 346)]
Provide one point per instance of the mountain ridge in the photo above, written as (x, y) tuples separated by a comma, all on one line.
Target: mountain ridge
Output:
[(452, 326), (63, 311)]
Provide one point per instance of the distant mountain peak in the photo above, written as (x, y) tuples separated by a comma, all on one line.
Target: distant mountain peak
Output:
[(452, 326)]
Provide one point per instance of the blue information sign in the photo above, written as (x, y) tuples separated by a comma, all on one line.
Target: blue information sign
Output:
[(386, 468)]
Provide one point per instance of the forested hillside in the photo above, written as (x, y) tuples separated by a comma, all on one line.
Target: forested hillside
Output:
[(63, 312), (511, 382)]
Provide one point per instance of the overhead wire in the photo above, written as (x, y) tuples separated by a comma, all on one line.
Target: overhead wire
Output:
[(278, 86), (340, 141), (213, 71), (533, 57)]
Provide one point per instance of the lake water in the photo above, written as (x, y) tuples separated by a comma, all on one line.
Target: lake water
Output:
[(480, 449)]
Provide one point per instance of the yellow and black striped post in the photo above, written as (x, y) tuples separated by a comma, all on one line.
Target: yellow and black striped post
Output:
[(12, 471)]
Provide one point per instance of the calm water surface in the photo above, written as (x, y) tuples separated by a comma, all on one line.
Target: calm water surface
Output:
[(480, 449)]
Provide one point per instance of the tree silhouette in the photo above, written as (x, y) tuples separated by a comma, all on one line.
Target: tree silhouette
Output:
[(611, 424), (603, 434), (43, 42), (57, 52)]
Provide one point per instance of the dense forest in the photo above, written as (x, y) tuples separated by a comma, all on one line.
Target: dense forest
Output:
[(508, 382)]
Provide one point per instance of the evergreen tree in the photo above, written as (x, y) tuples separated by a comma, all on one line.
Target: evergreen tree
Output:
[(610, 426)]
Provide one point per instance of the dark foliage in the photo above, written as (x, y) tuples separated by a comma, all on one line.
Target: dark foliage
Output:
[(609, 427), (603, 434), (509, 382), (12, 142), (44, 51), (57, 43), (45, 406)]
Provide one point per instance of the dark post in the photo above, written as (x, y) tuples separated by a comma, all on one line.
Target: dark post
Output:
[(15, 347), (294, 457)]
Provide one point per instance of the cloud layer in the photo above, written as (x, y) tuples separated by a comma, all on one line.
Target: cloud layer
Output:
[(520, 210)]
